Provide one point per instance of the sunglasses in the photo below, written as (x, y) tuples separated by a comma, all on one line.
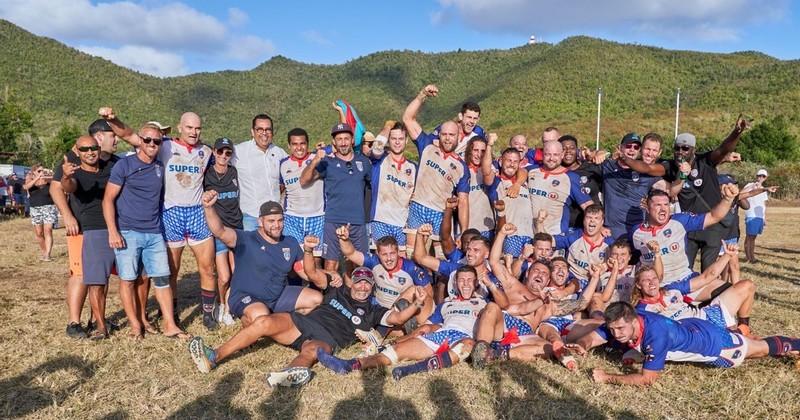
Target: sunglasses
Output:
[(349, 166), (263, 130), (226, 152), (683, 148), (634, 146), (88, 148), (147, 140)]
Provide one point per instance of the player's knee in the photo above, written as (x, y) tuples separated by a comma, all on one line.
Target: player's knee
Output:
[(748, 285), (161, 282), (261, 323)]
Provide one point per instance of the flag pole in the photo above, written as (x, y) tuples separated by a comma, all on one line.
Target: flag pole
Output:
[(677, 110), (597, 134)]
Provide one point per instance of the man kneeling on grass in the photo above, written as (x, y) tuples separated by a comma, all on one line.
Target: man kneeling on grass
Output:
[(331, 325), (661, 339), (451, 324)]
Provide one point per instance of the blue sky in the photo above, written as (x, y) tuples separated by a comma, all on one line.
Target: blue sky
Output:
[(168, 38)]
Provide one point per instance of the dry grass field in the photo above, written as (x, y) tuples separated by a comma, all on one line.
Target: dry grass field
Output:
[(44, 374)]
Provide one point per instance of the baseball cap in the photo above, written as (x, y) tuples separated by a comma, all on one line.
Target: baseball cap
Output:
[(341, 128), (165, 129), (270, 208), (223, 142), (99, 126), (686, 139), (762, 172), (726, 179), (630, 138), (363, 274)]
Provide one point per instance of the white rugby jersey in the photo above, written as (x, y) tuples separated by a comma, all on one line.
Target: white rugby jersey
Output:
[(624, 288), (389, 284), (458, 314), (671, 240), (581, 252), (554, 191), (481, 213), (393, 184), (440, 174), (518, 209), (184, 166), (300, 201)]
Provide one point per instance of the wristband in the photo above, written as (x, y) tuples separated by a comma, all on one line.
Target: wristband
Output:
[(501, 213)]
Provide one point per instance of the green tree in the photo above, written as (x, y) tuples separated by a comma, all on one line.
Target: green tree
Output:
[(14, 122), (57, 147), (769, 142)]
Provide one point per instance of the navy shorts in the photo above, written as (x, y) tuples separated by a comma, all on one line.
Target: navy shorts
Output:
[(238, 301), (97, 258), (331, 249), (310, 330)]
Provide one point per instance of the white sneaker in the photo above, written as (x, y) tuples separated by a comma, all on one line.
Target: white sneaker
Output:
[(372, 339), (223, 315), (292, 377)]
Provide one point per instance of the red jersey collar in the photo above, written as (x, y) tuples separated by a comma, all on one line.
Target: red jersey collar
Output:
[(399, 162), (396, 268), (299, 160), (653, 229), (592, 245), (189, 147), (558, 171), (638, 341), (653, 300)]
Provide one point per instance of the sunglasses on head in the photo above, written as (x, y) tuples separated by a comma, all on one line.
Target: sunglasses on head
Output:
[(226, 152), (634, 146), (88, 148), (349, 166), (147, 140), (683, 148)]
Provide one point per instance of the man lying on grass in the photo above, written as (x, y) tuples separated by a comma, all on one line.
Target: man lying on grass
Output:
[(661, 339), (330, 326), (443, 342)]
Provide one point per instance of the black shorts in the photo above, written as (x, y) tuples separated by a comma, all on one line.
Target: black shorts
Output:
[(310, 330)]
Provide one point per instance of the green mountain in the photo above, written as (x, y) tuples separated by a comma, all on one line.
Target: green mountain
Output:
[(522, 89)]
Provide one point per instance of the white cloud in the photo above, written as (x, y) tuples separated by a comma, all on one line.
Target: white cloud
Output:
[(705, 20), (236, 17), (315, 37), (250, 48), (119, 30), (143, 59)]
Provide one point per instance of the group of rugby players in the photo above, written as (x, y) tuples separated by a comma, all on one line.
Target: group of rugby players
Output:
[(479, 253)]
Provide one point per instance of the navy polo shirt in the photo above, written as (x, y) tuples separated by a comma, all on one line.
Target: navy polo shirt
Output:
[(345, 188), (623, 190), (262, 268), (139, 201)]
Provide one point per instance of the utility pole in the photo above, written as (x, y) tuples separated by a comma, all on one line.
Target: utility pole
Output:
[(677, 110), (597, 135)]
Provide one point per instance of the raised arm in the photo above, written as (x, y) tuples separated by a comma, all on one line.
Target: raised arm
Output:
[(410, 114), (316, 276), (608, 290), (729, 144), (348, 250), (421, 255), (219, 230), (418, 302), (486, 162), (121, 130), (446, 229), (463, 209), (729, 193), (713, 272), (310, 173)]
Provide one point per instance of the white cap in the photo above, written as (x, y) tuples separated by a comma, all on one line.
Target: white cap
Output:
[(762, 172)]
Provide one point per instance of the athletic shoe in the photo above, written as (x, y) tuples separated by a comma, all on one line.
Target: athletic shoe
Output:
[(74, 330), (209, 322), (339, 366), (223, 316), (293, 377), (110, 325), (372, 340), (203, 356)]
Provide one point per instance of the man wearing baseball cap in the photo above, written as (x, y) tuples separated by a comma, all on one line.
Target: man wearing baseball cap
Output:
[(694, 176), (346, 177), (330, 326), (755, 216)]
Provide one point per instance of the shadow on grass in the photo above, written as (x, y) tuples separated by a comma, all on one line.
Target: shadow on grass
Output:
[(373, 402), (544, 397), (22, 395), (753, 272), (188, 297), (777, 302), (444, 397), (781, 250), (283, 403), (217, 403)]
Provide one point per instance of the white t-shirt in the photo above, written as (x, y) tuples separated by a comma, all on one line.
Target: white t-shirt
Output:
[(259, 175), (758, 203)]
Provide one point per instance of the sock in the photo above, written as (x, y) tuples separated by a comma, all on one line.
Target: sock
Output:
[(500, 350), (744, 321), (780, 345), (207, 299), (436, 362)]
